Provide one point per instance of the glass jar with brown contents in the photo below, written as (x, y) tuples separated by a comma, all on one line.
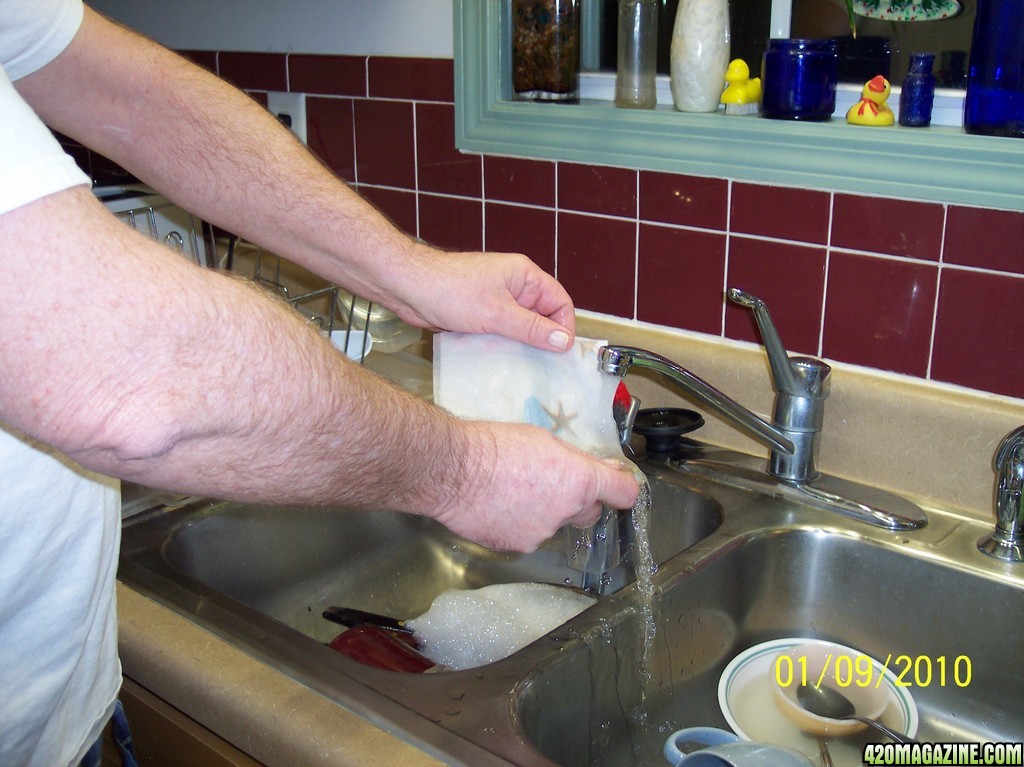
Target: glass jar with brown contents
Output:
[(546, 50)]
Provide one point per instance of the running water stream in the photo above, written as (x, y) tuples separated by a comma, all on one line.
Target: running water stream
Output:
[(646, 567)]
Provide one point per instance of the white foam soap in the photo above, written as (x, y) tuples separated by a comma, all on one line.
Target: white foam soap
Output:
[(469, 628)]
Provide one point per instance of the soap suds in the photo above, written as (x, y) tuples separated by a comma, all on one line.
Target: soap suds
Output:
[(469, 628)]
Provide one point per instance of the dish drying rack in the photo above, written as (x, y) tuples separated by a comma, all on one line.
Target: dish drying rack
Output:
[(354, 325), (157, 217)]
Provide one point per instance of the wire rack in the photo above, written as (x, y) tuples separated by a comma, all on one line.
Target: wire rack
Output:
[(355, 325), (155, 216)]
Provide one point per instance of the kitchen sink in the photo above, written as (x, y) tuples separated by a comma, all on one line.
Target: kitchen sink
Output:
[(946, 630), (736, 568), (289, 563)]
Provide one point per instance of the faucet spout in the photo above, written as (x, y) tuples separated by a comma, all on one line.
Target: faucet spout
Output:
[(793, 435), (617, 360)]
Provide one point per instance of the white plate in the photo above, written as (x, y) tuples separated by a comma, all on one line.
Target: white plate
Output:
[(354, 343), (746, 697)]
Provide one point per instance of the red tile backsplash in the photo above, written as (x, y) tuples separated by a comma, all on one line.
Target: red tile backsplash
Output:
[(680, 277), (327, 75), (385, 143), (451, 222), (896, 227), (781, 212), (517, 229), (597, 189), (441, 167), (686, 200), (919, 288), (596, 262), (791, 280), (515, 180), (254, 71), (413, 79), (988, 239), (878, 312), (979, 335), (330, 134), (400, 206)]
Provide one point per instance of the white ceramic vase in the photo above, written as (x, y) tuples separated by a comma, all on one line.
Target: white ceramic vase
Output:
[(700, 54)]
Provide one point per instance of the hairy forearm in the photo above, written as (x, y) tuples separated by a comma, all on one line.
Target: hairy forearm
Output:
[(182, 378), (217, 153)]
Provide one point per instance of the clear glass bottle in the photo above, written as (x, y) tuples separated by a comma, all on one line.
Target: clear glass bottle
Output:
[(546, 50), (994, 104), (635, 83)]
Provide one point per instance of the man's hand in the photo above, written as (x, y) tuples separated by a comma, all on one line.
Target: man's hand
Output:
[(502, 293), (523, 484)]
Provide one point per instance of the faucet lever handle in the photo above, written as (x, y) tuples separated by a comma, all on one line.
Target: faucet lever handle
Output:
[(786, 380)]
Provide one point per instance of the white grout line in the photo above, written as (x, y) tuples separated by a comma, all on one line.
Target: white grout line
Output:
[(828, 263), (728, 250), (636, 249), (938, 289)]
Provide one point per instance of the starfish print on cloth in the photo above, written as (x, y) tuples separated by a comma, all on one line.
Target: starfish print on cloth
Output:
[(561, 420), (552, 420)]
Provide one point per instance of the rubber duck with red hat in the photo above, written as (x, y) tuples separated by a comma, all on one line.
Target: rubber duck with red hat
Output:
[(872, 109)]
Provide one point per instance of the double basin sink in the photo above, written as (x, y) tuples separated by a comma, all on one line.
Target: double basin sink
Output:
[(736, 568)]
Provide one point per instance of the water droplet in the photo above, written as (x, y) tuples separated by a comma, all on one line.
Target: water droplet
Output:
[(457, 695), (452, 711)]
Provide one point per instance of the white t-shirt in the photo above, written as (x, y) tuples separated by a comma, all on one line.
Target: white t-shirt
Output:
[(59, 524)]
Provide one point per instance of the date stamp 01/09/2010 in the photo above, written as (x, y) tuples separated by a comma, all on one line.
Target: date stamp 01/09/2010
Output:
[(864, 671)]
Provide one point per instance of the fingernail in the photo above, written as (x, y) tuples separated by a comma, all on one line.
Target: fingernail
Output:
[(559, 339)]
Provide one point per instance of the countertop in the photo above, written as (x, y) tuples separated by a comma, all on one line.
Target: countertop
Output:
[(259, 710)]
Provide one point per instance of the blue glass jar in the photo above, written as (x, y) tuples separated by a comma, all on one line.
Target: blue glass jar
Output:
[(918, 93), (798, 79), (994, 104)]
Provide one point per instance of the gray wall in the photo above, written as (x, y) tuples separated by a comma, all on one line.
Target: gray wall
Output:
[(359, 27)]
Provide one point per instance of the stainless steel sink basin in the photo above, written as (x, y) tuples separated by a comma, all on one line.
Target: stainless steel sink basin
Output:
[(260, 577), (288, 563), (878, 597), (737, 568)]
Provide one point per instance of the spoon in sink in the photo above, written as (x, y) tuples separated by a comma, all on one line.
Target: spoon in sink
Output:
[(829, 703)]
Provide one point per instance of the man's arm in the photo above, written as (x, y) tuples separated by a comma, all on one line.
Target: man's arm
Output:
[(219, 154), (139, 364)]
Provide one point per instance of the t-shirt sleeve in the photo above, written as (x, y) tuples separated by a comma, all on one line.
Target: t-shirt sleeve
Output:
[(34, 32), (32, 162)]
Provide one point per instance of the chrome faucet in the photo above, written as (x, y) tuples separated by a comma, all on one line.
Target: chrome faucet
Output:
[(1007, 540), (793, 435)]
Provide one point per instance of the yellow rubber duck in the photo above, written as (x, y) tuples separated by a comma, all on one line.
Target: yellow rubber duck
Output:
[(872, 109), (742, 93)]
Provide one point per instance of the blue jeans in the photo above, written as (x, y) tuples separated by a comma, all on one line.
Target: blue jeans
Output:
[(122, 737)]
